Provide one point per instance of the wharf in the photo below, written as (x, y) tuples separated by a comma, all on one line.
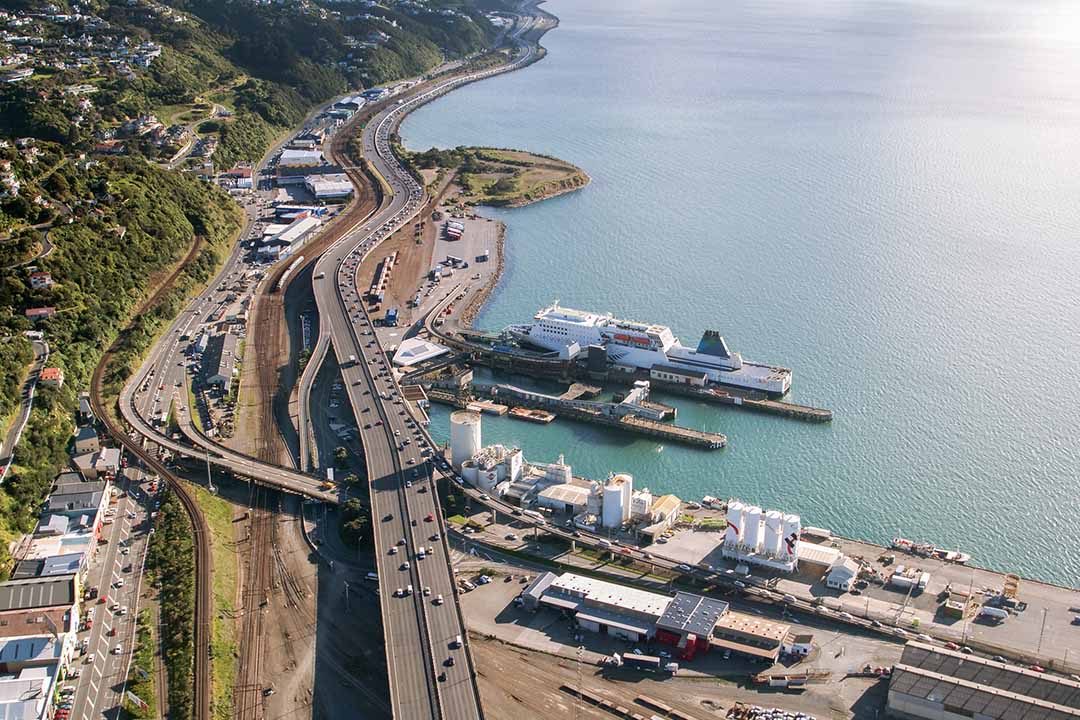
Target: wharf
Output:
[(580, 391), (749, 400), (487, 407), (591, 413)]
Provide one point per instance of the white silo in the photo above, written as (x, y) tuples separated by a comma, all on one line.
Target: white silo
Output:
[(792, 530), (752, 531), (774, 529), (464, 436), (617, 498), (734, 523)]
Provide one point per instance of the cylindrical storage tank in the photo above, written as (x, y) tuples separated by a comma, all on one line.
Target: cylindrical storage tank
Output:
[(792, 531), (774, 529), (616, 501), (464, 436), (733, 534), (752, 531)]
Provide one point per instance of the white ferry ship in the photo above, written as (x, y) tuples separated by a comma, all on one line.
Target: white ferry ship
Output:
[(641, 345)]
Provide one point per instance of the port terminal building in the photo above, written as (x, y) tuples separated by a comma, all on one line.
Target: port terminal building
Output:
[(691, 624), (505, 473), (933, 683)]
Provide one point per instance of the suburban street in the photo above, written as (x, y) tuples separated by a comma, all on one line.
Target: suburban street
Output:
[(116, 571)]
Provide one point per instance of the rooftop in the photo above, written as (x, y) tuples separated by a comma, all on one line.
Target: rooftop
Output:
[(753, 625), (37, 592), (417, 350), (999, 676), (972, 699), (566, 493), (593, 591), (689, 613)]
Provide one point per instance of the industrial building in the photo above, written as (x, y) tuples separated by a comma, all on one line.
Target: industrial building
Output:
[(225, 365), (842, 574), (689, 622), (751, 636), (767, 538), (612, 504), (334, 186), (933, 683), (300, 158), (417, 350), (283, 243)]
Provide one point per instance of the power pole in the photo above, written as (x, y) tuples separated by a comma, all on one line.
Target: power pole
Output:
[(209, 477), (1042, 631)]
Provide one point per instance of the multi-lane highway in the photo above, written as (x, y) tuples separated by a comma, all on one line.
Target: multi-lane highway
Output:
[(431, 670), (430, 667)]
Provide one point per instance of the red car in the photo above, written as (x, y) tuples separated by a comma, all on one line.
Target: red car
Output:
[(1037, 668), (429, 517)]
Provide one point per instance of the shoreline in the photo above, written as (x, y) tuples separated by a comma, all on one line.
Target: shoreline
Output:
[(477, 305)]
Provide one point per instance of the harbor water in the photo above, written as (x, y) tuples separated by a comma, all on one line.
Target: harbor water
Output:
[(880, 195)]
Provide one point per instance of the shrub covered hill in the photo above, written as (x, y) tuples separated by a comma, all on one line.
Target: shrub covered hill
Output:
[(95, 97)]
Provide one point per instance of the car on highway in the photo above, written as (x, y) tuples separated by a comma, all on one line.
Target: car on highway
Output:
[(405, 565)]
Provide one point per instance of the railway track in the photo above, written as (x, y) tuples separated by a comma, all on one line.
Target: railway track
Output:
[(247, 693)]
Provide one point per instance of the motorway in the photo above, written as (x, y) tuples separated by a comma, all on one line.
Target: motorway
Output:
[(430, 675)]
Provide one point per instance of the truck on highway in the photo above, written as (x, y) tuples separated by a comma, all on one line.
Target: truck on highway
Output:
[(352, 360)]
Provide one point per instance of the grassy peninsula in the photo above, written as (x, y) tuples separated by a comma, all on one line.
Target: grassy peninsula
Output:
[(499, 177)]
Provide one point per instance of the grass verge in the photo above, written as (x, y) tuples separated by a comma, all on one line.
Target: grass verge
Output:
[(141, 677), (223, 642)]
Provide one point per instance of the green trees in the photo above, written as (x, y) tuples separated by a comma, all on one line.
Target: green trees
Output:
[(171, 560), (341, 457), (355, 523)]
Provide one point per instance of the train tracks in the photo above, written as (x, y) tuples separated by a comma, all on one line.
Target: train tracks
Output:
[(247, 695)]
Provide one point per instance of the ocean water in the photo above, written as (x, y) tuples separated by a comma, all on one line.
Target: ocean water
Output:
[(883, 196)]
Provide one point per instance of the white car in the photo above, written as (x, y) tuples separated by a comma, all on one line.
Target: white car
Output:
[(118, 649)]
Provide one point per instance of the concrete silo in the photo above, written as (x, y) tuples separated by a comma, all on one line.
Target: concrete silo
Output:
[(617, 500), (752, 532), (464, 436), (733, 534), (774, 531), (792, 531)]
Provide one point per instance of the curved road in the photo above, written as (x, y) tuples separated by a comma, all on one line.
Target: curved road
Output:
[(11, 440)]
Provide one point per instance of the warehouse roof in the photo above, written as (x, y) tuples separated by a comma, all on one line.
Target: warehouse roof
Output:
[(417, 350), (690, 613), (1000, 676), (665, 505), (29, 649), (37, 592), (300, 157), (592, 591), (73, 501), (816, 554), (974, 699), (753, 625), (566, 493)]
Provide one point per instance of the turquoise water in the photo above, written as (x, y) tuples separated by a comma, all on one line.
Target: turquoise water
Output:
[(882, 196)]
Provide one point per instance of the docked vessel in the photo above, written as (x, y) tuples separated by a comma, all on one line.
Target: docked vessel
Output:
[(643, 345), (532, 415)]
